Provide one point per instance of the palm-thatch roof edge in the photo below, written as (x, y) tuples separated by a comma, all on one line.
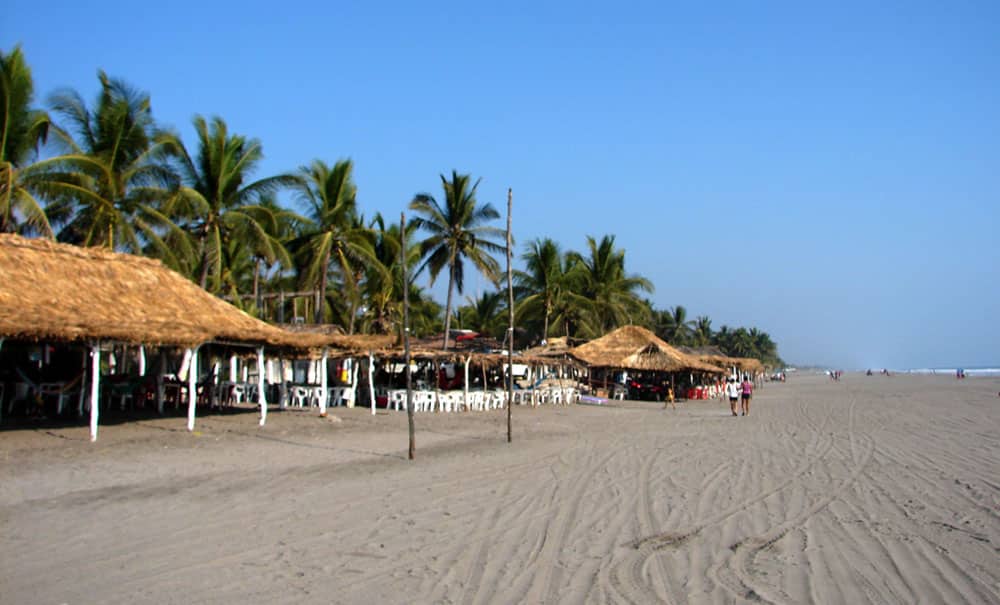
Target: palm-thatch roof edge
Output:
[(64, 293)]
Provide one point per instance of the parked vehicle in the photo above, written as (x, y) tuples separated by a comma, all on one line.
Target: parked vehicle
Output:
[(646, 391)]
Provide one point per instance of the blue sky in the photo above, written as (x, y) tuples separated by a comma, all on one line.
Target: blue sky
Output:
[(826, 173)]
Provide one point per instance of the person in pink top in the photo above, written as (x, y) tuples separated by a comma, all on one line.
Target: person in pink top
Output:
[(747, 390)]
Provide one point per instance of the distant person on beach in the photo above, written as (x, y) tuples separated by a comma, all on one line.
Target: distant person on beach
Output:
[(669, 399), (733, 392), (747, 392)]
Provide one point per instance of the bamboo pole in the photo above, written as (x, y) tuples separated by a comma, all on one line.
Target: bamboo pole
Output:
[(510, 319), (406, 333)]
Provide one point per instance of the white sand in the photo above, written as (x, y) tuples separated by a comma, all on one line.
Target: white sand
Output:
[(871, 490)]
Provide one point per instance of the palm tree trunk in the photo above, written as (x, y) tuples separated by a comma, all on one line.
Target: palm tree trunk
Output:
[(322, 288), (256, 286), (447, 310), (204, 259), (545, 328)]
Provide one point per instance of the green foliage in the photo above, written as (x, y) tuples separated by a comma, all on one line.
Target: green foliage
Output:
[(23, 129), (457, 231), (119, 181)]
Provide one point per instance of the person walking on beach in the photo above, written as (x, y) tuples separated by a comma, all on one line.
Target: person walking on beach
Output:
[(733, 392), (747, 392), (668, 399)]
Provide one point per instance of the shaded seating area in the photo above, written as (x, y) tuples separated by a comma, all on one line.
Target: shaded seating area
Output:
[(77, 325), (633, 363)]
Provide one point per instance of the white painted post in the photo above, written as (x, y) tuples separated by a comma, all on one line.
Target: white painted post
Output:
[(142, 360), (371, 380), (261, 385), (465, 388), (192, 387), (323, 384), (232, 368), (185, 365), (95, 388), (354, 383)]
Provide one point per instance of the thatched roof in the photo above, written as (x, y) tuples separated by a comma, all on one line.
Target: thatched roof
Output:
[(636, 348), (743, 364), (554, 347), (347, 344), (59, 292)]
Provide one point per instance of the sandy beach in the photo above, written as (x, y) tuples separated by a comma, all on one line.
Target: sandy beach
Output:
[(868, 490)]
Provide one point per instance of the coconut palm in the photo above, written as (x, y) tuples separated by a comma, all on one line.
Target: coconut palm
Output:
[(543, 282), (383, 281), (458, 232), (281, 225), (702, 333), (23, 130), (336, 233), (603, 288), (675, 327), (486, 314), (108, 187), (217, 204)]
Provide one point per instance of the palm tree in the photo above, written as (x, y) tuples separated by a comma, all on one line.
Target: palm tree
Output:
[(383, 281), (543, 282), (23, 130), (108, 187), (458, 232), (605, 290), (676, 327), (702, 335), (485, 314), (217, 204), (336, 233), (281, 226)]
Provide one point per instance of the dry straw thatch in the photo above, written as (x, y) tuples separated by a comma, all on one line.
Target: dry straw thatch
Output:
[(59, 292), (636, 348)]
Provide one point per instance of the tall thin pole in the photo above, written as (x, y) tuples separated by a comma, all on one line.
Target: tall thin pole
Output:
[(510, 320), (406, 332)]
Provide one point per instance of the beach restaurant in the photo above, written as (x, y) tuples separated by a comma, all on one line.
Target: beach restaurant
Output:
[(651, 361), (72, 303)]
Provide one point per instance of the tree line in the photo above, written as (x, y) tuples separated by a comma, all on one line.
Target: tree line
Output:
[(296, 246)]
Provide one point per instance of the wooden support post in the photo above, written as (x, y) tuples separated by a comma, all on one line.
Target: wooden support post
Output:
[(510, 317), (95, 388), (355, 366), (83, 385), (323, 384), (262, 385), (465, 388), (406, 334), (192, 387), (142, 360), (160, 395), (371, 380)]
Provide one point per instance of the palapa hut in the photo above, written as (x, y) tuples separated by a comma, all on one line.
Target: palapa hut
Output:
[(636, 348), (51, 292), (733, 365)]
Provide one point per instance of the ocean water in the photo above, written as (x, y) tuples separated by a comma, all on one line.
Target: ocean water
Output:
[(969, 371)]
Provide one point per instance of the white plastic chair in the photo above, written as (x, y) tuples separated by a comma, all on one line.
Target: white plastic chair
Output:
[(300, 396)]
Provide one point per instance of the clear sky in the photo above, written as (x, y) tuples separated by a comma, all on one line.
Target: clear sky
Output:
[(829, 174)]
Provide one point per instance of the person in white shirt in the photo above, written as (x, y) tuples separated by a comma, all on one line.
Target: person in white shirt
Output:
[(733, 392)]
